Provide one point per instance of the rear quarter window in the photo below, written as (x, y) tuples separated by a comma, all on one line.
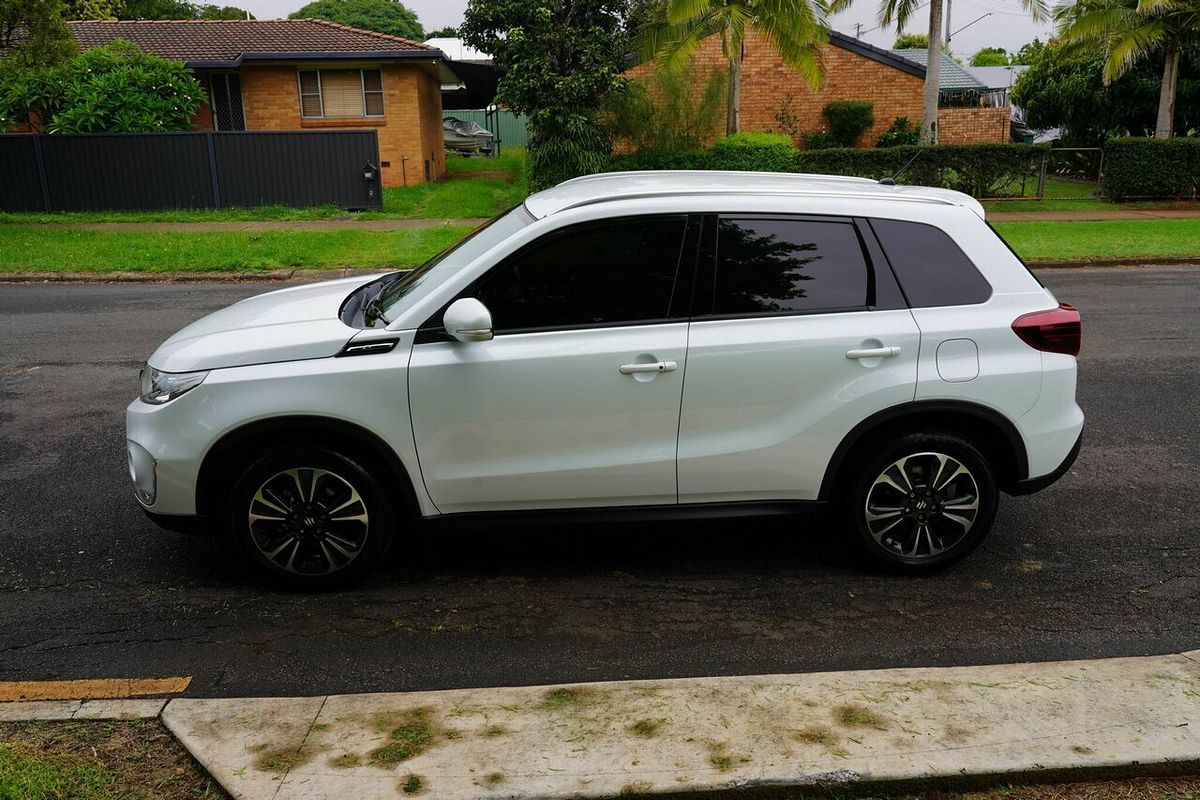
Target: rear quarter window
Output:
[(931, 268)]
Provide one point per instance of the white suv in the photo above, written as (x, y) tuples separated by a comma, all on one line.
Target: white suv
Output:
[(637, 344)]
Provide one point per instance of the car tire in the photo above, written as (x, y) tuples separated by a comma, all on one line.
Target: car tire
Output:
[(310, 518), (907, 521)]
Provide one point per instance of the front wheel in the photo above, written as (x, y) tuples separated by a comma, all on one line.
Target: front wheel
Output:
[(310, 518), (922, 502)]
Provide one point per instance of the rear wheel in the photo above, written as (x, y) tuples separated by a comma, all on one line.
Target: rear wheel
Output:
[(922, 502), (310, 518)]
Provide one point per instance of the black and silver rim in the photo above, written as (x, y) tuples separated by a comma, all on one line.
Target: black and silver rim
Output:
[(308, 521), (922, 505)]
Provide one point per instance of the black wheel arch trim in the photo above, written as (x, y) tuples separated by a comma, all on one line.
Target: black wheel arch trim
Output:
[(1031, 485), (898, 413), (208, 481)]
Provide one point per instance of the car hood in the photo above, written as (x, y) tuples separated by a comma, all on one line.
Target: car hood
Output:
[(287, 325)]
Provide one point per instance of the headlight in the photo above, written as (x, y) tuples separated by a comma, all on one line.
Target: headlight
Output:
[(159, 387)]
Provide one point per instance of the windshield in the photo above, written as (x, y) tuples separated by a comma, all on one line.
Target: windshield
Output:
[(475, 244)]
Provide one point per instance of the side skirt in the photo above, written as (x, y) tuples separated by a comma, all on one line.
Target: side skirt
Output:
[(608, 515)]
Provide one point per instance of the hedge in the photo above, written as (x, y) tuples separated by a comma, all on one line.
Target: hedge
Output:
[(981, 170), (1151, 168)]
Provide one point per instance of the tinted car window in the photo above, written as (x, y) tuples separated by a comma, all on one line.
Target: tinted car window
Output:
[(772, 266), (931, 268), (613, 272)]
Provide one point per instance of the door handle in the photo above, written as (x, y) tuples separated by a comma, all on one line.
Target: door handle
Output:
[(653, 366), (874, 352)]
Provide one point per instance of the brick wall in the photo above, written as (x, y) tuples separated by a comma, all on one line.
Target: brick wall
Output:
[(410, 133), (973, 125), (768, 83), (202, 120)]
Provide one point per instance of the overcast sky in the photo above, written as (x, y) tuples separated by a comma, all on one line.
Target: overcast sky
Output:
[(1008, 26)]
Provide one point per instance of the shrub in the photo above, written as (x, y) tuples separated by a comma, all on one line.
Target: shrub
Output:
[(660, 160), (669, 110), (754, 152), (848, 120), (900, 133), (817, 140), (1151, 168)]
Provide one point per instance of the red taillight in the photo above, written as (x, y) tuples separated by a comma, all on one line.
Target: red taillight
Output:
[(1058, 330)]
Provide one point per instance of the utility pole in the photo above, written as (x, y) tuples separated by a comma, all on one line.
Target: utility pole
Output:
[(948, 34), (858, 30)]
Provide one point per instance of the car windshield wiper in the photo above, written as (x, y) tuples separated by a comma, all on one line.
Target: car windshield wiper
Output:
[(372, 312)]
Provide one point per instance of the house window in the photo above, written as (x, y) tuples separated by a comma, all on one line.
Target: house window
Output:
[(341, 93)]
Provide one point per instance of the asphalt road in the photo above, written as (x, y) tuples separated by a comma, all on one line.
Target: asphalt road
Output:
[(1104, 563)]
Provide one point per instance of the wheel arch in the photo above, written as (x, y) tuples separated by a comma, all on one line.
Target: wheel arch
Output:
[(218, 470), (995, 434)]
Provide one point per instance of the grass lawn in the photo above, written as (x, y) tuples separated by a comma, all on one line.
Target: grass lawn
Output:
[(1134, 239), (472, 187), (98, 760), (33, 249)]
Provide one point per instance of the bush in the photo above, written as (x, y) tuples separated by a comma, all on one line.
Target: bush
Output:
[(848, 120), (669, 110), (754, 152), (1151, 168), (900, 133), (981, 170), (817, 140)]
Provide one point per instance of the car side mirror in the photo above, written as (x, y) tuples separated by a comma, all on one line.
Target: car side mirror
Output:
[(468, 320)]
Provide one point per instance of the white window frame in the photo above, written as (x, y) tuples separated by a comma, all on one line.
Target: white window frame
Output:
[(362, 83)]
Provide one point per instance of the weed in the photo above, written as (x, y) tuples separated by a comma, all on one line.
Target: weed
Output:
[(563, 697), (495, 730), (635, 789), (856, 716), (646, 728), (283, 759), (412, 784), (816, 734), (345, 761), (494, 778), (412, 733)]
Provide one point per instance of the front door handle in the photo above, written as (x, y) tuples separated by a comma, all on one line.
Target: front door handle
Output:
[(653, 366), (874, 352)]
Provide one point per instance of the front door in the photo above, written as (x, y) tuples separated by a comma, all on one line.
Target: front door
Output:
[(801, 338), (576, 400)]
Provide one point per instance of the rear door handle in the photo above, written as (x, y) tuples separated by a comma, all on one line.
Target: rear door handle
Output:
[(874, 352), (653, 366)]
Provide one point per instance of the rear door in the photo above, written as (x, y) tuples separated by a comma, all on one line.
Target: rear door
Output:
[(799, 333), (575, 402)]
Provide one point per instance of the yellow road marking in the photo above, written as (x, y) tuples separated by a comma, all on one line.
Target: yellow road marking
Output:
[(90, 689)]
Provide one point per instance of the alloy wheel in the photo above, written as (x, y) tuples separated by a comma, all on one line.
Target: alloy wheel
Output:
[(922, 505), (308, 521)]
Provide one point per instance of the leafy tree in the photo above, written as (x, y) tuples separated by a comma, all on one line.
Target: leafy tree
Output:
[(92, 9), (223, 12), (385, 16), (558, 59), (900, 12), (1028, 52), (668, 110), (448, 32), (158, 9), (796, 29), (33, 33), (112, 89), (911, 41), (990, 57), (1135, 31), (1065, 88)]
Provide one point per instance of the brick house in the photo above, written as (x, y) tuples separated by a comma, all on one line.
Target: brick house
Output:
[(294, 75), (854, 70)]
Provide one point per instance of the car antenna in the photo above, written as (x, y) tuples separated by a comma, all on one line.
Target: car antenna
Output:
[(892, 180)]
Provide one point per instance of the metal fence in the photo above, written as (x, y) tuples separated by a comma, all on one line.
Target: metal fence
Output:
[(1071, 173), (148, 171), (508, 127)]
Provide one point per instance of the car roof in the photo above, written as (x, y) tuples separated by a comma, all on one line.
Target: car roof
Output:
[(614, 187)]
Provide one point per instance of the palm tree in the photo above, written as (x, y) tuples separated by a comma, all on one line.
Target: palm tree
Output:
[(1132, 31), (899, 12), (796, 28)]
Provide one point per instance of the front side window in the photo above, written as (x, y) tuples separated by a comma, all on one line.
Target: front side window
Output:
[(788, 266), (341, 93), (598, 274)]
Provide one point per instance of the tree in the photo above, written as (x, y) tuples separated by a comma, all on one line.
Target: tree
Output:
[(1065, 88), (1028, 52), (33, 34), (173, 9), (795, 28), (92, 9), (385, 16), (557, 59), (1131, 32), (990, 57), (911, 41), (899, 12), (448, 32), (223, 12), (112, 89)]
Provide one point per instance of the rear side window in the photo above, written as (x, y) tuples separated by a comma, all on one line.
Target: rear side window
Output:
[(782, 266), (609, 273), (931, 268)]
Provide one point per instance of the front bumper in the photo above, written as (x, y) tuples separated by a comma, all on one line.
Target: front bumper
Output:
[(166, 446)]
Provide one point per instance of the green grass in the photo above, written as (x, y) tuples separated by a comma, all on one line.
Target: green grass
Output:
[(472, 187), (32, 249), (32, 777), (1133, 239)]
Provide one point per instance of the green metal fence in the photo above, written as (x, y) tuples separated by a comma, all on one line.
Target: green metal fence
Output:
[(512, 131)]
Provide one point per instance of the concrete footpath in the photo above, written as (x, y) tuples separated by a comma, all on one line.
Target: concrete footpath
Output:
[(1060, 720)]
